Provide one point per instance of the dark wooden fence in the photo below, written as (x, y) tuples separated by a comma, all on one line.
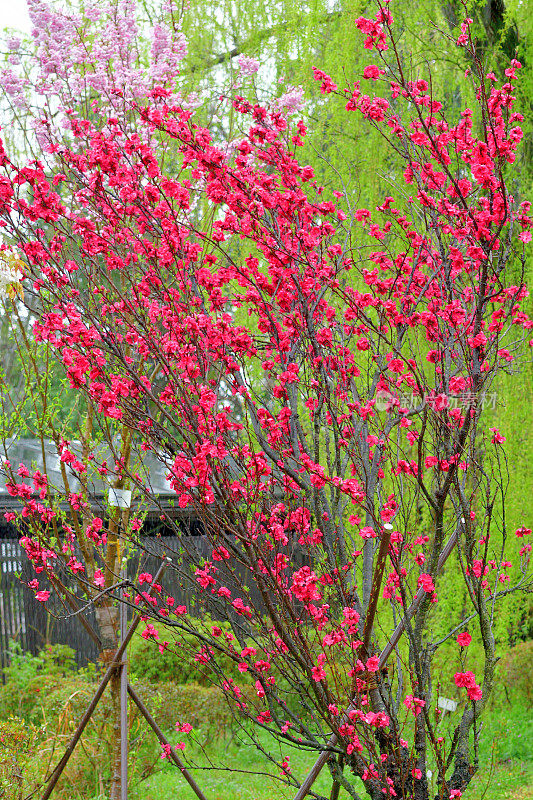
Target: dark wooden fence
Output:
[(25, 620)]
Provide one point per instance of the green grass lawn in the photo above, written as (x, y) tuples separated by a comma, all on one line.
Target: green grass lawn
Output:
[(228, 785), (506, 768)]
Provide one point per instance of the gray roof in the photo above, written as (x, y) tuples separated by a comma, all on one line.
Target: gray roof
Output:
[(29, 452)]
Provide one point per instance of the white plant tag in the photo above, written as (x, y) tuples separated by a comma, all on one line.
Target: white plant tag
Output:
[(119, 498), (446, 704)]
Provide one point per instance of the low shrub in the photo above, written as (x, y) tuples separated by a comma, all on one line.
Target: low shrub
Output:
[(174, 662), (28, 675), (58, 706), (517, 671), (19, 741), (204, 707)]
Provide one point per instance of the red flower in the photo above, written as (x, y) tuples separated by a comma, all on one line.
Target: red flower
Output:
[(372, 72), (372, 664)]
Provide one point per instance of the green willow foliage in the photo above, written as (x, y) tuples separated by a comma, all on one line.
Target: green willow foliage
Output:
[(289, 38)]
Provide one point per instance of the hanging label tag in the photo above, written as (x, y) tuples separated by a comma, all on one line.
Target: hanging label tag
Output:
[(119, 498), (446, 704)]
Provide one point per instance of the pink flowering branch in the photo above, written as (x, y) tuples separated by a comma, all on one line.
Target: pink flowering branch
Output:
[(307, 397)]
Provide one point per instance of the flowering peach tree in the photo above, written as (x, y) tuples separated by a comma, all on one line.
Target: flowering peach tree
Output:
[(313, 377)]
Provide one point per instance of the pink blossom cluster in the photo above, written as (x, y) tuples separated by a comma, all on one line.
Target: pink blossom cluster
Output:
[(94, 52), (247, 65), (467, 680)]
